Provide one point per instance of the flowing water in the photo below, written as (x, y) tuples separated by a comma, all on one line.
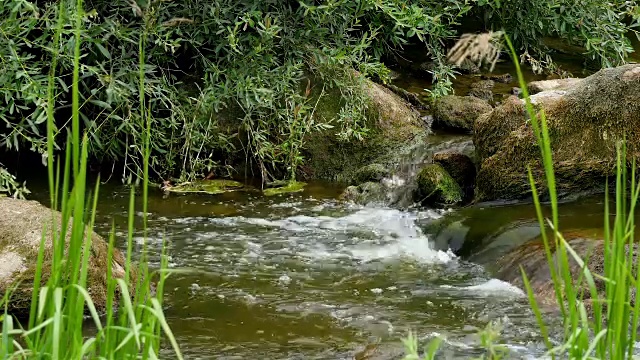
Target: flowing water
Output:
[(305, 276)]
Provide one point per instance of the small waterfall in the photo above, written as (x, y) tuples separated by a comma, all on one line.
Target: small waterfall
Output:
[(401, 184)]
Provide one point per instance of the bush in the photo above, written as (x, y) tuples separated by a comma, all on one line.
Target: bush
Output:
[(230, 80)]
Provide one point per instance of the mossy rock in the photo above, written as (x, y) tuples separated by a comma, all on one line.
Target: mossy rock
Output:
[(460, 167), (22, 226), (366, 193), (284, 187), (211, 187), (492, 128), (458, 113), (586, 124), (393, 127), (371, 172), (437, 187), (482, 89)]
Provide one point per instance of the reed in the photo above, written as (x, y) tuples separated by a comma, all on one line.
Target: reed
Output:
[(134, 325)]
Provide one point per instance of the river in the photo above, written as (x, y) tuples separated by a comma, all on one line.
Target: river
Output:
[(305, 276)]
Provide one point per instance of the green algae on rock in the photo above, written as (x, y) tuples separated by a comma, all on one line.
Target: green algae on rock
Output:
[(391, 122), (211, 187), (436, 186), (460, 167), (284, 187), (22, 224)]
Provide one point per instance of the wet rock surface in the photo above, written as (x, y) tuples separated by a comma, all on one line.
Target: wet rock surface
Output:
[(437, 187), (588, 245), (460, 167)]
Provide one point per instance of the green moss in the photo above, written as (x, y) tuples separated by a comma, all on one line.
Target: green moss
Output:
[(391, 124), (436, 186), (207, 187), (285, 188)]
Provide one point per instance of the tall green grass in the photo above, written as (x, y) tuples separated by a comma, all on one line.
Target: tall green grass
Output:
[(134, 325), (606, 328)]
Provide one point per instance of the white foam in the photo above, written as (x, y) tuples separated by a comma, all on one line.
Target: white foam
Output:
[(394, 233), (495, 286)]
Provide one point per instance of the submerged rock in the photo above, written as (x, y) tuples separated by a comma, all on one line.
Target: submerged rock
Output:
[(436, 186), (458, 113), (532, 257), (586, 124), (21, 230), (211, 187), (482, 89), (284, 187), (460, 167), (393, 127)]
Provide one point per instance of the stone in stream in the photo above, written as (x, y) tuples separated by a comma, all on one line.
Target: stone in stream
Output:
[(21, 230), (284, 187), (437, 187), (482, 89), (586, 124), (371, 172), (535, 87), (460, 167), (531, 256), (458, 113), (366, 193), (211, 187)]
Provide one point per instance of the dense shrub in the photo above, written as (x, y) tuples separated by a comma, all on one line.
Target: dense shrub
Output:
[(232, 77)]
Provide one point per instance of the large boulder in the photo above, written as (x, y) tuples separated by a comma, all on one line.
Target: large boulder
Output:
[(393, 126), (585, 124), (21, 229), (458, 113)]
